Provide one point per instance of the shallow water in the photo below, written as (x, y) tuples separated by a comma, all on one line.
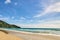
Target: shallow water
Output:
[(38, 30)]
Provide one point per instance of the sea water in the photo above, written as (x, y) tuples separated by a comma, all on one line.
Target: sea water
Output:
[(38, 30)]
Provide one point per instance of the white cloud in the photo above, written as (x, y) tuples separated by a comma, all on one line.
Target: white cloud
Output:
[(46, 24), (56, 7), (51, 8), (39, 25), (53, 21), (7, 1)]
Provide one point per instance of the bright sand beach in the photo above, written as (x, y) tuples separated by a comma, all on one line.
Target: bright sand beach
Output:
[(5, 36), (16, 35)]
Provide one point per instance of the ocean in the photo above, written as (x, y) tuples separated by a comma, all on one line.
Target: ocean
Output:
[(38, 30)]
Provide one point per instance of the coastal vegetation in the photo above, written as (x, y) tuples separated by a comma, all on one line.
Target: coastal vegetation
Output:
[(4, 24)]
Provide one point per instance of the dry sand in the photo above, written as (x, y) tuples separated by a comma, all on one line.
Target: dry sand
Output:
[(4, 36)]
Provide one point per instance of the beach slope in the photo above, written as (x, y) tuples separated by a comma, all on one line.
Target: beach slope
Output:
[(29, 36), (5, 36)]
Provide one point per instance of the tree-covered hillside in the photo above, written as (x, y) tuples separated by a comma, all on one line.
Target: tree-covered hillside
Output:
[(6, 25)]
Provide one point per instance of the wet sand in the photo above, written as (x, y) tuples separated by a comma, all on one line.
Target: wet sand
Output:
[(28, 36)]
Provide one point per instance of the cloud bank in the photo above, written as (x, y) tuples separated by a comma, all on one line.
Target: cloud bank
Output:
[(39, 20), (51, 8)]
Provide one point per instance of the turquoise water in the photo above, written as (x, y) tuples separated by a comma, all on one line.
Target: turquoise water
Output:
[(38, 30)]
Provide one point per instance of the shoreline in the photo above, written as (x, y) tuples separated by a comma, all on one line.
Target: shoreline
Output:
[(30, 32), (32, 36)]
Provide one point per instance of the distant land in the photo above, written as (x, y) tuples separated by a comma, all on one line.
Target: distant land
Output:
[(4, 24)]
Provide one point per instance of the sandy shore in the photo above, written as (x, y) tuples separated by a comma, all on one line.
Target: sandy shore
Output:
[(4, 36), (29, 36)]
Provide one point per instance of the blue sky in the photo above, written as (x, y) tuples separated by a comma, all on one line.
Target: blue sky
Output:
[(31, 13)]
